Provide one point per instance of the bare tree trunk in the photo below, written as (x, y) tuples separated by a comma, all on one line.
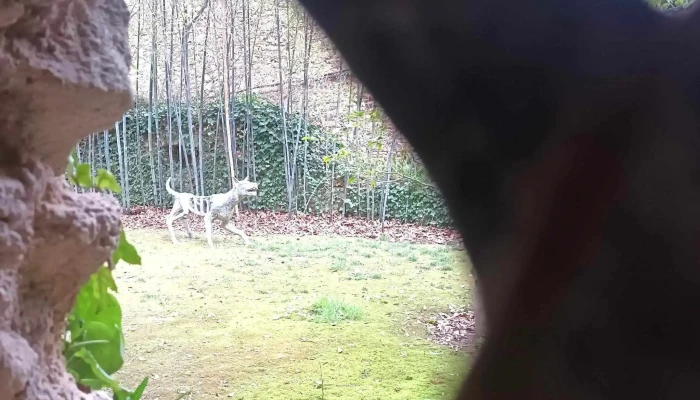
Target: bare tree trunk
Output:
[(285, 142), (346, 176), (249, 148), (137, 115), (291, 49), (188, 105), (369, 189), (246, 144), (105, 136), (91, 153), (228, 41), (126, 188), (308, 37), (250, 39), (216, 143), (337, 123), (182, 152), (151, 110), (360, 93), (201, 103), (168, 86), (387, 177), (332, 199), (119, 154), (156, 116)]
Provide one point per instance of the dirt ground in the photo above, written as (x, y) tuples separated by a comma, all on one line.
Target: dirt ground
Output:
[(235, 321)]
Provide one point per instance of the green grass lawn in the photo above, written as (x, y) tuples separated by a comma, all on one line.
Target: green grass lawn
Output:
[(289, 318)]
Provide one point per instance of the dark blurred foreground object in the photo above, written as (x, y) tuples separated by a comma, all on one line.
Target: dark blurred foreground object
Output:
[(564, 137)]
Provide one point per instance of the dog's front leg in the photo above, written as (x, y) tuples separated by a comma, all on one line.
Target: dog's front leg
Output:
[(229, 227), (188, 221), (208, 228), (170, 218)]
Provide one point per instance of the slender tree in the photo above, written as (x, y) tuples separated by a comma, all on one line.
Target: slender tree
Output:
[(386, 183), (216, 143), (285, 142), (337, 124), (151, 99), (358, 164), (125, 189), (248, 147), (308, 36), (136, 109), (201, 102), (228, 44), (105, 136), (122, 179), (188, 98), (182, 152), (91, 153), (168, 85)]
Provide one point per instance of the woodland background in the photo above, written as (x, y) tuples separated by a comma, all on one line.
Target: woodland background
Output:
[(236, 88)]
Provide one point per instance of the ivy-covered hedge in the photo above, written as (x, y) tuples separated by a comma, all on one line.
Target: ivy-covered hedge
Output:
[(407, 200)]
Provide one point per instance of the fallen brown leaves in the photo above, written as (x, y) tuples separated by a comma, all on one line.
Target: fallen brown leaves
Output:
[(454, 329), (259, 223)]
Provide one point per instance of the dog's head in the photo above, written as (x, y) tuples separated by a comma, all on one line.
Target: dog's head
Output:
[(247, 188)]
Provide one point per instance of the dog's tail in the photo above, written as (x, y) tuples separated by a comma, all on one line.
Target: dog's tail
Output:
[(169, 188)]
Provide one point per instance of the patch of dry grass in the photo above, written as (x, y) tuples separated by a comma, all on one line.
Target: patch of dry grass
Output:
[(237, 321)]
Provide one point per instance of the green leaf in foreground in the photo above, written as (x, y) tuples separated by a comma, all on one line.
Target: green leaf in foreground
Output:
[(86, 370), (125, 251), (106, 344), (123, 394), (106, 180), (93, 344), (83, 176)]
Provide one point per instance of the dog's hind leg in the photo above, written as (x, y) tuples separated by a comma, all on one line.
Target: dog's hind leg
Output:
[(208, 229), (188, 222), (229, 227), (173, 216)]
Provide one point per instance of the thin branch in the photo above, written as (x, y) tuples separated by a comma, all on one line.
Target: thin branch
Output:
[(188, 27), (430, 185), (410, 178)]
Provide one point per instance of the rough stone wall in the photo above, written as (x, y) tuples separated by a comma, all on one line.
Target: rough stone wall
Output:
[(64, 68)]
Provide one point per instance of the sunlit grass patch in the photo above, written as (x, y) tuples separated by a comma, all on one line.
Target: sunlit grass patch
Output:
[(238, 319), (332, 310)]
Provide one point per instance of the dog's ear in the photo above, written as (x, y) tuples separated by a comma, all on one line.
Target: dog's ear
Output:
[(245, 179)]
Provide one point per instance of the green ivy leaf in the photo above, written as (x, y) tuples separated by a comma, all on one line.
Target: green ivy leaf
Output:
[(106, 344), (125, 251), (105, 279), (124, 394), (86, 370), (106, 180), (74, 325), (95, 303), (82, 175)]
